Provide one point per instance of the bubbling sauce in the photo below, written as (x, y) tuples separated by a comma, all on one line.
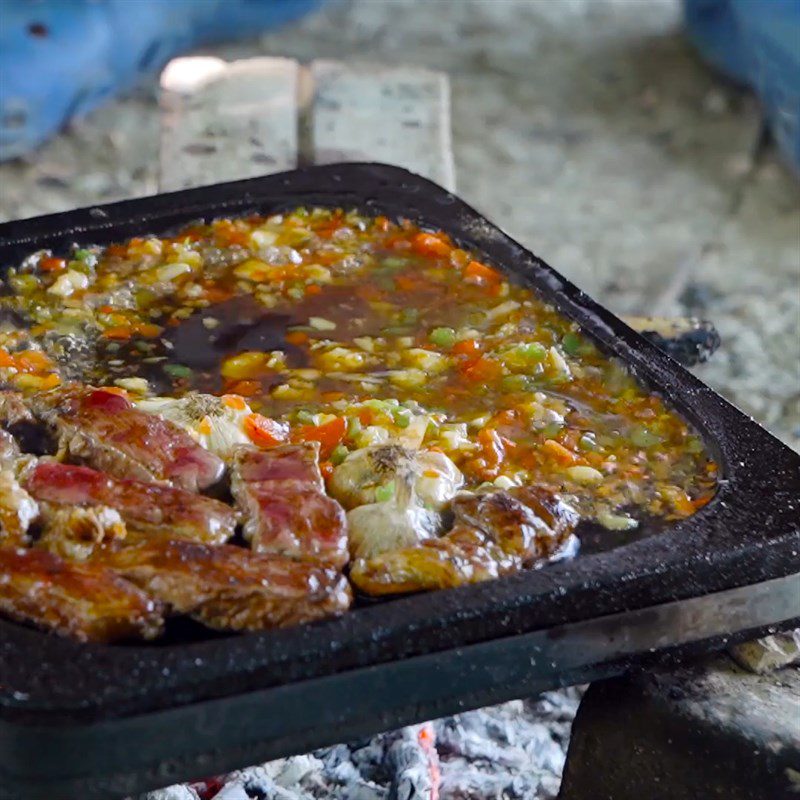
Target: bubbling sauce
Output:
[(358, 330)]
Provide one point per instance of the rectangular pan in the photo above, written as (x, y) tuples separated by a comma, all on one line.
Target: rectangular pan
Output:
[(106, 721)]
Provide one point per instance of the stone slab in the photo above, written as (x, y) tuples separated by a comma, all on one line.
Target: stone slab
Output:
[(708, 731), (371, 112), (225, 121)]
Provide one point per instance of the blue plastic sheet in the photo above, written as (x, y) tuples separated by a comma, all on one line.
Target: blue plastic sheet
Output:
[(757, 43), (62, 58)]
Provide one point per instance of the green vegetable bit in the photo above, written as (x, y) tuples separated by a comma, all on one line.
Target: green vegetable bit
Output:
[(339, 454), (587, 442), (297, 291), (23, 284), (385, 492), (551, 431), (401, 417), (694, 445), (523, 356), (177, 370), (443, 337), (87, 256), (641, 437), (533, 351), (572, 344), (517, 383)]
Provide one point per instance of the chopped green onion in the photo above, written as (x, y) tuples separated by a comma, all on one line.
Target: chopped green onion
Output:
[(528, 353), (432, 429), (694, 445), (402, 417), (375, 404), (533, 351), (392, 262), (443, 337), (551, 431), (516, 383), (23, 283), (306, 417), (587, 442), (385, 492), (177, 370), (339, 454), (87, 256), (84, 267), (641, 437), (572, 344), (394, 330)]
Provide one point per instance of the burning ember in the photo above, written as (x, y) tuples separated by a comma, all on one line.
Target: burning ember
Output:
[(514, 751)]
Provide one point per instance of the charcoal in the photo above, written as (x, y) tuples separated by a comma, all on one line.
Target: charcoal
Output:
[(416, 767)]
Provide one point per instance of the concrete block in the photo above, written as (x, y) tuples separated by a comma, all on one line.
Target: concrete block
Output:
[(705, 732)]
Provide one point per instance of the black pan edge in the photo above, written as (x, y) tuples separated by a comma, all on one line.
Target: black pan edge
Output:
[(106, 759)]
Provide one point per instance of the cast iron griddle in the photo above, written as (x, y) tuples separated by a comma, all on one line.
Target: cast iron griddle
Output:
[(97, 722)]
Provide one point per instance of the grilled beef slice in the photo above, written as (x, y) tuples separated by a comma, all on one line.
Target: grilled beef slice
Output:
[(86, 601), (286, 510), (229, 587)]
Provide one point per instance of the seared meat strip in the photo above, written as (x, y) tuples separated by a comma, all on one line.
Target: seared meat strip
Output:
[(527, 523), (86, 601), (148, 508), (229, 587), (434, 564), (286, 510), (108, 432), (493, 534), (289, 462), (17, 508)]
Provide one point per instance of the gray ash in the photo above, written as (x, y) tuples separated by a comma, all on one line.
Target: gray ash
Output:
[(514, 751)]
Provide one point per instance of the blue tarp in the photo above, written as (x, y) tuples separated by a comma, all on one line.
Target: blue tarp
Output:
[(757, 43), (62, 58)]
